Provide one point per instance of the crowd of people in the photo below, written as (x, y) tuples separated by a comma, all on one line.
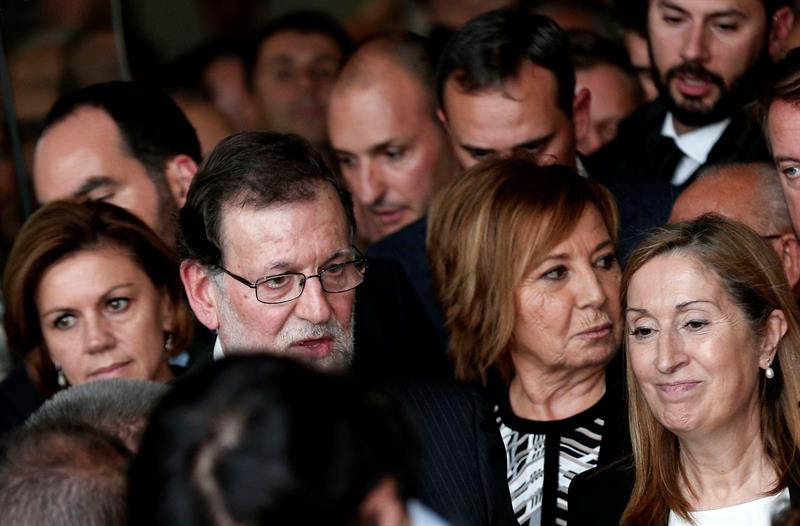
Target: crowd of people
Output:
[(543, 271)]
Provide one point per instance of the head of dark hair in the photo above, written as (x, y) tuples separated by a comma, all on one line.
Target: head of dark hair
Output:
[(62, 474), (781, 84), (64, 228), (152, 127), (258, 440), (589, 49), (299, 21), (255, 170), (490, 49)]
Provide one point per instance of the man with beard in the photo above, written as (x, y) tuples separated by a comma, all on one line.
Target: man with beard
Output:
[(265, 241), (707, 56)]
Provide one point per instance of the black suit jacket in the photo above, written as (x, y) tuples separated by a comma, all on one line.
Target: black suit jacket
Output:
[(598, 497), (463, 459), (629, 164)]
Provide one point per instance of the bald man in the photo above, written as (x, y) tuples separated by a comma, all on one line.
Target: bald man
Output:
[(382, 124), (751, 194)]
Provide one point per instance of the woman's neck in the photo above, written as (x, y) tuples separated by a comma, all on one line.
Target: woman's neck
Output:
[(554, 395), (727, 471)]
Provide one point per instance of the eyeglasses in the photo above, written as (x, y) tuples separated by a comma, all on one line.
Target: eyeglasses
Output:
[(335, 277)]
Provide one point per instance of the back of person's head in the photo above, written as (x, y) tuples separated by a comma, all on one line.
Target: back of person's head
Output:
[(589, 49), (62, 474), (299, 21), (490, 49), (486, 231), (262, 440), (151, 125), (118, 407), (252, 170), (63, 228)]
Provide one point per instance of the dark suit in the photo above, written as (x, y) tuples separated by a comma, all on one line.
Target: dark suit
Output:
[(463, 460), (630, 165), (598, 497)]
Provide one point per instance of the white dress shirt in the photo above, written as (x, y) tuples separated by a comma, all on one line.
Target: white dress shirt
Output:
[(695, 145)]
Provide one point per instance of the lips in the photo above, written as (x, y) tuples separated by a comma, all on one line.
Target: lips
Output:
[(113, 370), (314, 348), (387, 215), (678, 388), (597, 332), (693, 86)]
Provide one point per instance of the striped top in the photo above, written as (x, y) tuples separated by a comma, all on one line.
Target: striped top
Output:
[(543, 457)]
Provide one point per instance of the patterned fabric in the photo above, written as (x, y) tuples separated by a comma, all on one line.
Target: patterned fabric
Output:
[(543, 457)]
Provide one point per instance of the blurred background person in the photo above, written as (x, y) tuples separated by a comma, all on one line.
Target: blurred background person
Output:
[(293, 63), (751, 194), (389, 145), (264, 440), (90, 293), (62, 474), (524, 263), (713, 352), (118, 407), (602, 67)]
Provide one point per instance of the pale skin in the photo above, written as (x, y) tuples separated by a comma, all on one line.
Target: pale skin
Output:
[(697, 363), (568, 325)]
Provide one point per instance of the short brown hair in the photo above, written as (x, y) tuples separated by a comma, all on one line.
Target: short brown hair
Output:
[(783, 83), (62, 228), (486, 230), (753, 277)]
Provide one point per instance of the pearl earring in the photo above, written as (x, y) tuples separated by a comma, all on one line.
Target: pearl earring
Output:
[(768, 372), (61, 379)]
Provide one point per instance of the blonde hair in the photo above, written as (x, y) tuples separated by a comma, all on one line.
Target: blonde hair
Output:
[(754, 280), (486, 230)]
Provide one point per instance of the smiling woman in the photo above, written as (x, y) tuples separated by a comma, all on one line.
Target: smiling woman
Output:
[(91, 293), (713, 345)]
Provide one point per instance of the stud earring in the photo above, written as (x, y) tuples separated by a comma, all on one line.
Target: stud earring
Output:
[(61, 379)]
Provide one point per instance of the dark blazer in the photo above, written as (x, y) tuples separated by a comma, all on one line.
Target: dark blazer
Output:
[(19, 399), (629, 165), (598, 497), (463, 463)]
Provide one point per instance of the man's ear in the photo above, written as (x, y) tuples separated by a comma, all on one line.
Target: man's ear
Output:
[(443, 119), (200, 291), (782, 22), (790, 257), (581, 113), (179, 173)]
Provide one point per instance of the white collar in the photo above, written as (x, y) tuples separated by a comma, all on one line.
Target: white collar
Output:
[(696, 144)]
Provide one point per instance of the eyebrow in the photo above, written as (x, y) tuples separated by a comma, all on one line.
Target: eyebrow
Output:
[(92, 183), (600, 246), (281, 266), (679, 307), (527, 145), (665, 4), (784, 158), (105, 295)]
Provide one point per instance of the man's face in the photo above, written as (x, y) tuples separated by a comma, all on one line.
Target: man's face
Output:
[(615, 95), (522, 115), (707, 55), (301, 237), (292, 81), (784, 137), (392, 152), (83, 156)]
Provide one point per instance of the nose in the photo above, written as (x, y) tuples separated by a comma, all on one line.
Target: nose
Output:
[(695, 44), (670, 355), (590, 291), (99, 336), (313, 305), (369, 187)]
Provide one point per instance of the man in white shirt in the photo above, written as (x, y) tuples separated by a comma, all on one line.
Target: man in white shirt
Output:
[(708, 56)]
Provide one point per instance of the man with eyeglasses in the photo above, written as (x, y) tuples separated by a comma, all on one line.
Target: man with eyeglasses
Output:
[(265, 243)]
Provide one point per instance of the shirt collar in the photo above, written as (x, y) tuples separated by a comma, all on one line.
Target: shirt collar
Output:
[(696, 144)]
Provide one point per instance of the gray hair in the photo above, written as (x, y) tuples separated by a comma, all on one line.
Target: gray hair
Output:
[(118, 407)]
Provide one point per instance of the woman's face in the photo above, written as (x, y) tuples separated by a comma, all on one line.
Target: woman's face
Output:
[(693, 353), (102, 317), (567, 307)]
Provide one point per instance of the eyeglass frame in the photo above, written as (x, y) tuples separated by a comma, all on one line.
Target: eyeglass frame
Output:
[(254, 284)]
